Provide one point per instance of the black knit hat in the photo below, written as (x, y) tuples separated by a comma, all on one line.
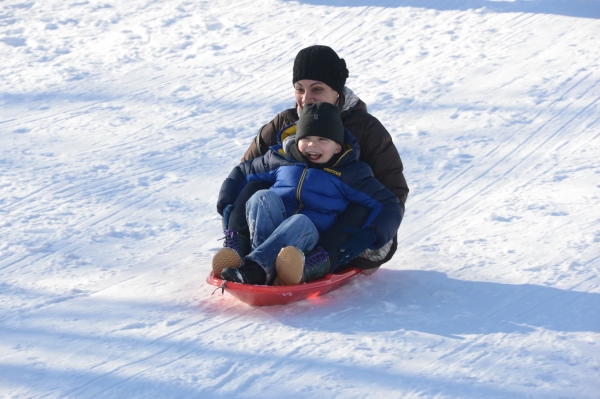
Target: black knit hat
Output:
[(320, 119), (323, 64)]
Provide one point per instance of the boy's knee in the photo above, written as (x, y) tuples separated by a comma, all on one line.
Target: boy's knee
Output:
[(299, 219), (263, 195), (303, 222)]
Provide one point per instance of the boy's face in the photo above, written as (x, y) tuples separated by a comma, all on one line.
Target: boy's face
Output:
[(318, 149)]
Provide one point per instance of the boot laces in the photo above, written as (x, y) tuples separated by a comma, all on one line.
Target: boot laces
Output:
[(316, 258), (232, 240)]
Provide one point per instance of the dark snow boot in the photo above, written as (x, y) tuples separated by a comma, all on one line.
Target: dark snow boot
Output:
[(235, 248), (249, 272), (293, 267), (316, 264)]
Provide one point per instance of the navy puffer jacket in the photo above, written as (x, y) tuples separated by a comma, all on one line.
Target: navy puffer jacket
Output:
[(320, 194)]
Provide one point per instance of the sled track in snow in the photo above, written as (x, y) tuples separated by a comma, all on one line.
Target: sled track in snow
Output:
[(85, 388), (508, 157)]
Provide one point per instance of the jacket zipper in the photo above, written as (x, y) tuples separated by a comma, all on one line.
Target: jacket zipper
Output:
[(299, 189), (343, 155)]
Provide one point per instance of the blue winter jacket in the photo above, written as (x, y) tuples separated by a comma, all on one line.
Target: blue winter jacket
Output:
[(320, 194)]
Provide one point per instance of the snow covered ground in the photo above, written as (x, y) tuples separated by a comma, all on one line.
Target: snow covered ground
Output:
[(120, 120)]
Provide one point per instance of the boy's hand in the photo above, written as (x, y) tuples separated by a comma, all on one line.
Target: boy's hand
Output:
[(226, 213), (360, 240)]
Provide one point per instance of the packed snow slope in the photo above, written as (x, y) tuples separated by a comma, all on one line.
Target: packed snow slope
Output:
[(120, 120)]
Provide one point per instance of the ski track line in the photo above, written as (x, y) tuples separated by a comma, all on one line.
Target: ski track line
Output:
[(20, 121), (24, 312), (513, 301), (463, 348), (52, 301), (16, 261), (550, 137), (77, 111), (538, 303), (524, 342), (490, 153), (42, 256), (47, 191), (439, 61), (105, 185), (220, 12), (7, 121), (155, 354), (526, 20), (10, 207), (173, 360), (330, 28), (112, 214), (564, 145), (551, 168), (103, 188), (82, 225), (526, 337), (135, 140), (503, 159), (118, 187), (155, 367), (580, 134), (554, 115)]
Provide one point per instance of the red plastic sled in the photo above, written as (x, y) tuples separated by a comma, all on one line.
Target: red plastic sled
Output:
[(267, 295)]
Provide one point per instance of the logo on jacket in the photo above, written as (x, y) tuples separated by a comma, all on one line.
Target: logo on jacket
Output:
[(316, 116), (335, 172)]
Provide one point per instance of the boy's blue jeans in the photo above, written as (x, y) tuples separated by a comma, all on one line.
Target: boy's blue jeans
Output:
[(270, 230)]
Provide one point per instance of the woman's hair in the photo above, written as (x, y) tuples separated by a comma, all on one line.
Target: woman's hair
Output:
[(323, 64)]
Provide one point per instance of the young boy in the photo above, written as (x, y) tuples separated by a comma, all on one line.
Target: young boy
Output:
[(313, 176)]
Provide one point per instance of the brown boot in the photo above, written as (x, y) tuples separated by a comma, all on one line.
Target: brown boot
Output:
[(289, 266)]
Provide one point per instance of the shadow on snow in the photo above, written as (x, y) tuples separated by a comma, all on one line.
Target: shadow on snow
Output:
[(430, 302)]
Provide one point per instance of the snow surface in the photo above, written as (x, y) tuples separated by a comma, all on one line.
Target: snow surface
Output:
[(120, 120)]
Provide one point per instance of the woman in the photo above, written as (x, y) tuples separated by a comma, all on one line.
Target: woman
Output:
[(319, 75)]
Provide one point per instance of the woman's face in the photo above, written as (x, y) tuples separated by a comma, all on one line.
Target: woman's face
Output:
[(312, 91)]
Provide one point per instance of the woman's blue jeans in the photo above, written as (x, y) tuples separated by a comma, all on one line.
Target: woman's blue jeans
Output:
[(270, 230)]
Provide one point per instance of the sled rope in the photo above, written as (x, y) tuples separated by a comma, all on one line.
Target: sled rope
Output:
[(222, 287)]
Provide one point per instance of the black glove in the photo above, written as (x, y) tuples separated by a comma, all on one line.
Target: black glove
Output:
[(360, 240), (226, 213)]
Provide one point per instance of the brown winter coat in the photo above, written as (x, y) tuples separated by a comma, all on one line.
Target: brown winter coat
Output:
[(376, 149)]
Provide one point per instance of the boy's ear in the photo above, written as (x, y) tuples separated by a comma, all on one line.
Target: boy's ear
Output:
[(338, 149)]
